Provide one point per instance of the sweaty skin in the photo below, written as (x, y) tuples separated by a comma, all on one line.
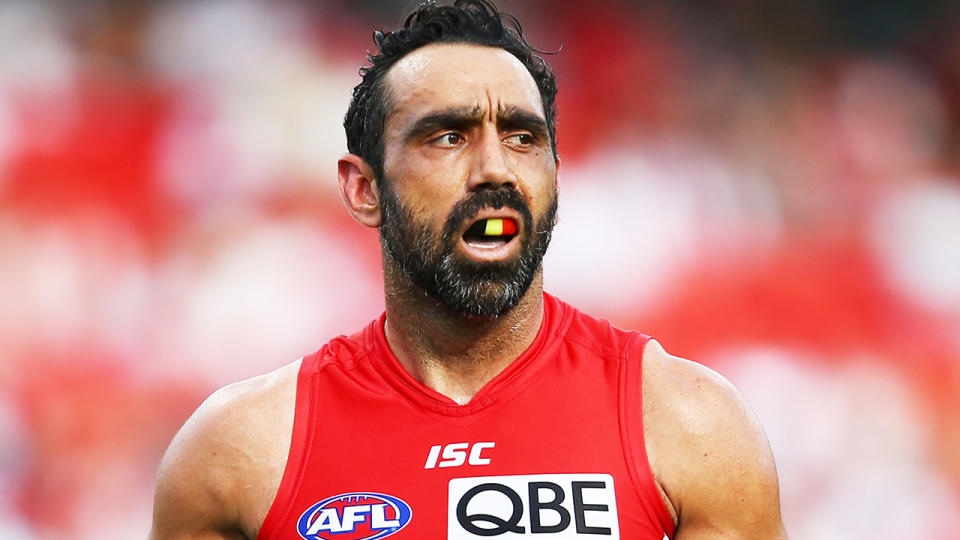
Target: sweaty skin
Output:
[(708, 453)]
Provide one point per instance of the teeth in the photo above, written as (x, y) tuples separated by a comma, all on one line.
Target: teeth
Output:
[(493, 227)]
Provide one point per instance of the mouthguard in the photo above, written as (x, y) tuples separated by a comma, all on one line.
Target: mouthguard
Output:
[(493, 227)]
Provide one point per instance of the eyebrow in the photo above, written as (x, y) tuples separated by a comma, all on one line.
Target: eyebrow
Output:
[(511, 117), (461, 118), (458, 118)]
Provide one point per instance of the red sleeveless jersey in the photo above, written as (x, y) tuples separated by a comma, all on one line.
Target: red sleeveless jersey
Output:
[(551, 448)]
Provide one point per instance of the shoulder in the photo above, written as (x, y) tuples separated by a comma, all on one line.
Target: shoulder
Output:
[(595, 334), (707, 451), (222, 468)]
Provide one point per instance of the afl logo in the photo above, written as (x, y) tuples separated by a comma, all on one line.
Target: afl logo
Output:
[(354, 516)]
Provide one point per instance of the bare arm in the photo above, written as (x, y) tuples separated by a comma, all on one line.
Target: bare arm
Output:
[(222, 470), (194, 496), (708, 452)]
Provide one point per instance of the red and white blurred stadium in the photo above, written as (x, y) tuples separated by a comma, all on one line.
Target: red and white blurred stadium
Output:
[(771, 189)]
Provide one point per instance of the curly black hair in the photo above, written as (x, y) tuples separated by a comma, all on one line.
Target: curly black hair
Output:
[(474, 22)]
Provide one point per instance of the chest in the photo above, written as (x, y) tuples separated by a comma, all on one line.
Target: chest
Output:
[(546, 462)]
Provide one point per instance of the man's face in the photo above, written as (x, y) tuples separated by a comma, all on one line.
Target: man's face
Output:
[(467, 153)]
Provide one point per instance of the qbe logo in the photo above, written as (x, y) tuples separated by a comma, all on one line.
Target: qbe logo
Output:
[(354, 516), (539, 505)]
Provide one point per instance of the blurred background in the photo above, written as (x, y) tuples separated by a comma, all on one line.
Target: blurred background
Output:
[(769, 188)]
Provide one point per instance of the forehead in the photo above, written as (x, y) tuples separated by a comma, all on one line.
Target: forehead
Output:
[(442, 76)]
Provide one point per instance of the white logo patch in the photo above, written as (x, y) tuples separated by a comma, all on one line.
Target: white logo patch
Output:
[(540, 505), (455, 455)]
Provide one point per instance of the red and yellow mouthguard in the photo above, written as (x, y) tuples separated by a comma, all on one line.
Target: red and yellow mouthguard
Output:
[(493, 227)]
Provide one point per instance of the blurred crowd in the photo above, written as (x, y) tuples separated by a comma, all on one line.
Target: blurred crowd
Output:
[(771, 189)]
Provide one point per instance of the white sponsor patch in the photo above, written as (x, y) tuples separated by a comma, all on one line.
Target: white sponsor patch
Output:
[(535, 505)]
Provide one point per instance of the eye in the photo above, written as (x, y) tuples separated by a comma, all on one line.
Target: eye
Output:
[(450, 139), (522, 139)]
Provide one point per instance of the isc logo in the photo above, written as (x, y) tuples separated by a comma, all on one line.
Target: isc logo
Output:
[(354, 516), (543, 506), (456, 454)]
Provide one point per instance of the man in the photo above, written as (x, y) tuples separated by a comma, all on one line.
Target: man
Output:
[(476, 406)]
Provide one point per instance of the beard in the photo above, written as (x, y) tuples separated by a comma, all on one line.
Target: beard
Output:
[(469, 288)]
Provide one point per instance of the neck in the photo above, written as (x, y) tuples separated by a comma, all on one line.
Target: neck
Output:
[(450, 353)]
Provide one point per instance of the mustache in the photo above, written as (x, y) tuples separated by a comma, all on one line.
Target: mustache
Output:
[(475, 201)]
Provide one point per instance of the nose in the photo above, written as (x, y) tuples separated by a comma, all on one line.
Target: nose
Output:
[(491, 163)]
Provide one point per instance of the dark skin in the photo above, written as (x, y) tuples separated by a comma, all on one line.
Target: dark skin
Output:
[(465, 117)]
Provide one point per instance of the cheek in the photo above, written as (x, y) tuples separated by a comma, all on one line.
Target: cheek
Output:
[(429, 207), (434, 188), (424, 176), (431, 200), (541, 184)]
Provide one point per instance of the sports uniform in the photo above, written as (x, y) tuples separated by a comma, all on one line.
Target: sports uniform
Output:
[(551, 448)]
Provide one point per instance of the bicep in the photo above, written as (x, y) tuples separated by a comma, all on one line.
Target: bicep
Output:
[(714, 458), (192, 497), (736, 495)]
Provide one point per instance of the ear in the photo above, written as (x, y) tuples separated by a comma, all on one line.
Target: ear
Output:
[(359, 190), (556, 161)]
